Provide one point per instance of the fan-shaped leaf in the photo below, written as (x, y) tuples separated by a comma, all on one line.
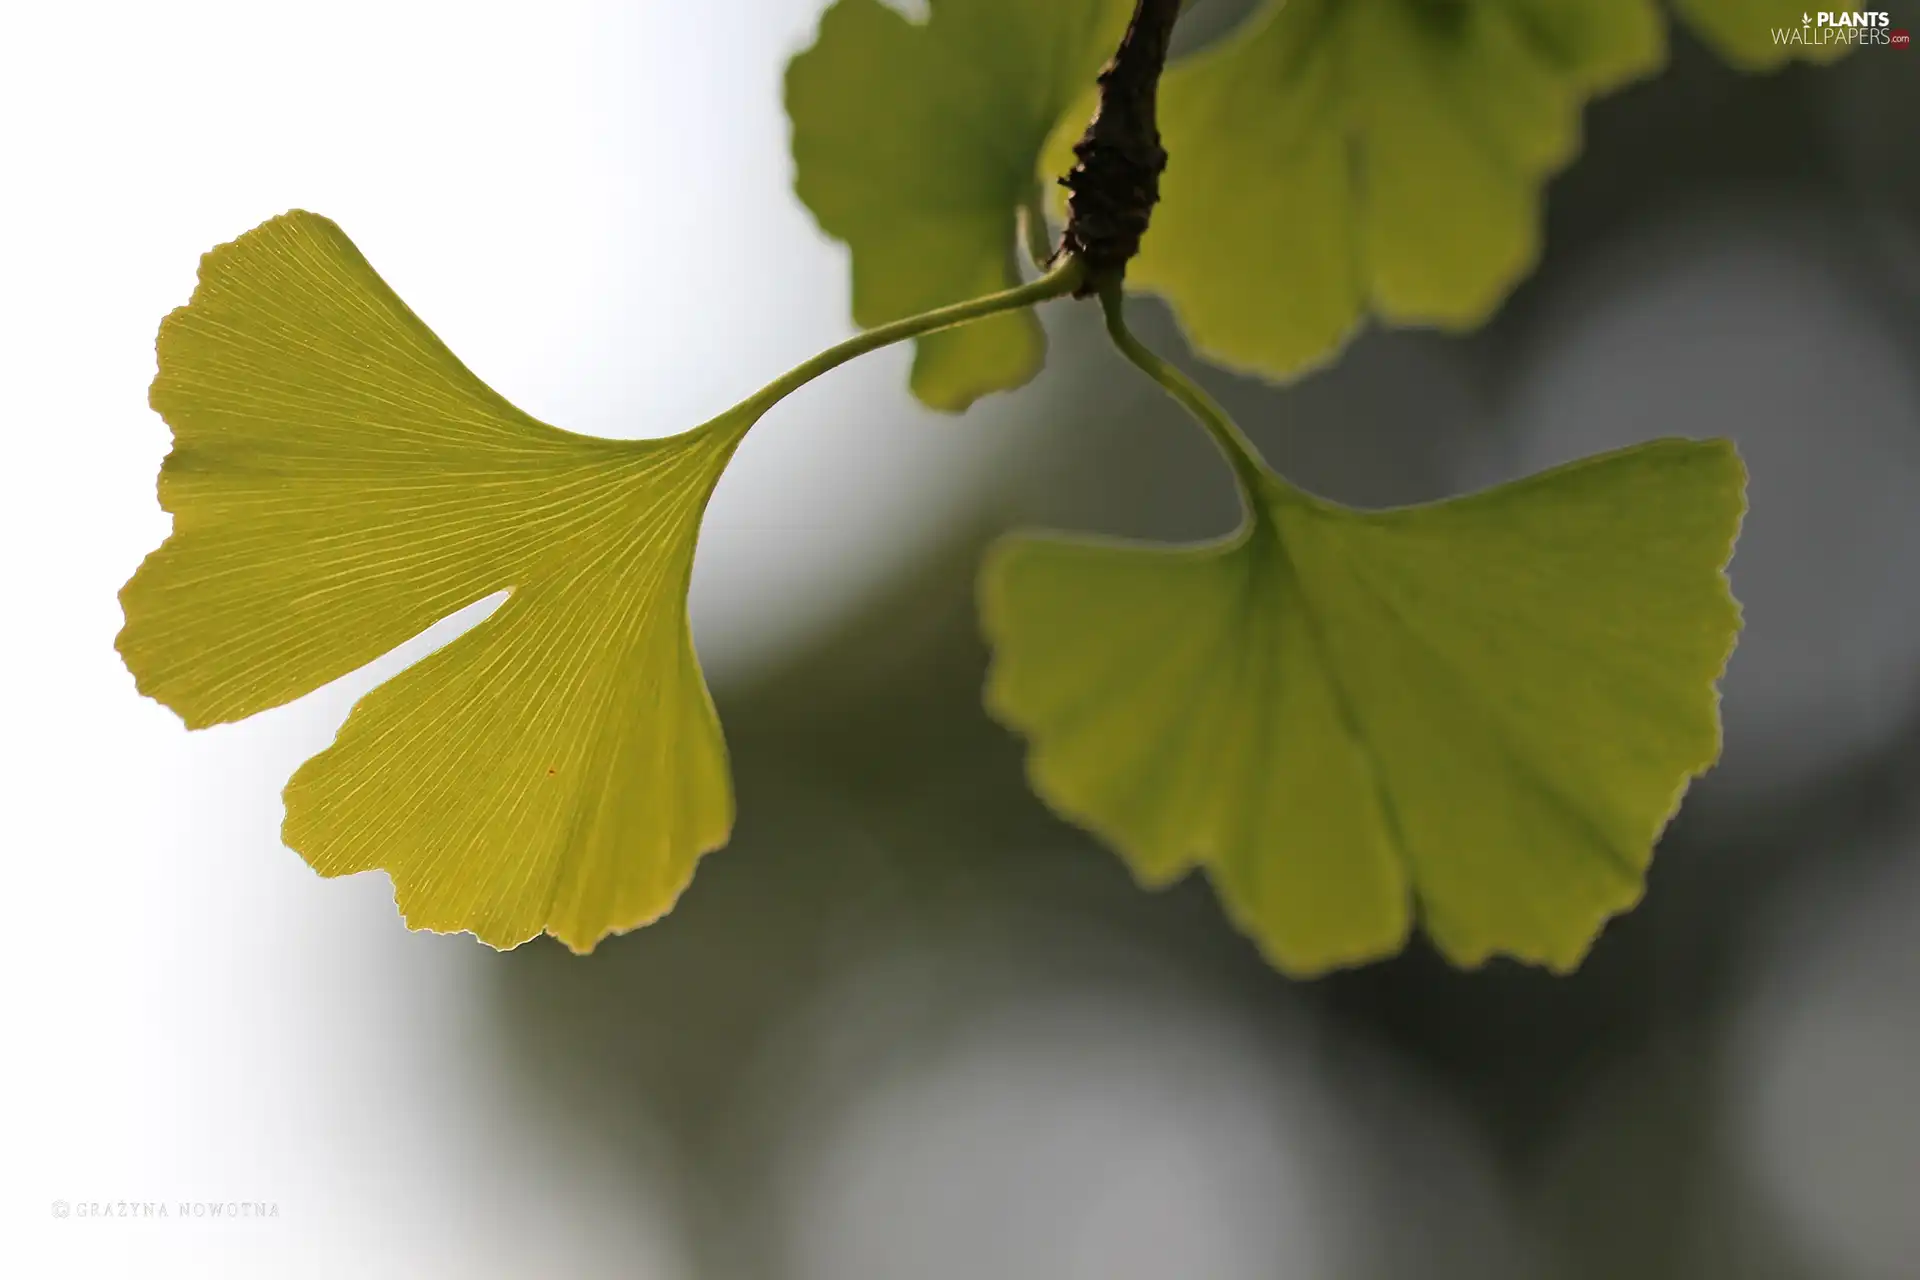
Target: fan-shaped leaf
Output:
[(339, 481), (1335, 159), (916, 144), (1484, 710)]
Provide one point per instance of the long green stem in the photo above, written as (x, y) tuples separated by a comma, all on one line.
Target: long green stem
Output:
[(1057, 283), (1240, 453)]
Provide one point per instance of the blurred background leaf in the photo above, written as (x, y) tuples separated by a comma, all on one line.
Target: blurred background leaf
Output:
[(915, 143), (1341, 161)]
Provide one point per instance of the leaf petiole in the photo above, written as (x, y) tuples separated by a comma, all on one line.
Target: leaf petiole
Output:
[(1057, 283), (1033, 230), (1248, 469)]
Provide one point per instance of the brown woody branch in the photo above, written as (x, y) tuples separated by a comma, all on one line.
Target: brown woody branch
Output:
[(1116, 181)]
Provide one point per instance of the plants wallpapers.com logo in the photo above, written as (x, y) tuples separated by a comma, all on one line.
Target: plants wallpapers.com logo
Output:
[(1846, 26)]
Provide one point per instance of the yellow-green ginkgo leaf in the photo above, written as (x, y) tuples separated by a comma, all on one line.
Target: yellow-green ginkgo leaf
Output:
[(916, 143), (1760, 35), (1334, 159), (339, 482), (1481, 712)]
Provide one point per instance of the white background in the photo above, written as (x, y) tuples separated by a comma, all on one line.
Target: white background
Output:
[(590, 203)]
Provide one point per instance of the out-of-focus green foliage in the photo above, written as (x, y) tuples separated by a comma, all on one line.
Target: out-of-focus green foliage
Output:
[(1333, 160), (1482, 711), (917, 144), (339, 482), (1336, 159)]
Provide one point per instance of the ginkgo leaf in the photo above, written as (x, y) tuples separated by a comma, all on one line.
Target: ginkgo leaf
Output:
[(1760, 35), (1334, 159), (1482, 710), (916, 144), (339, 482)]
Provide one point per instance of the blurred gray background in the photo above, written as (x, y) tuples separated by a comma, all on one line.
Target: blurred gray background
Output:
[(909, 1024)]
